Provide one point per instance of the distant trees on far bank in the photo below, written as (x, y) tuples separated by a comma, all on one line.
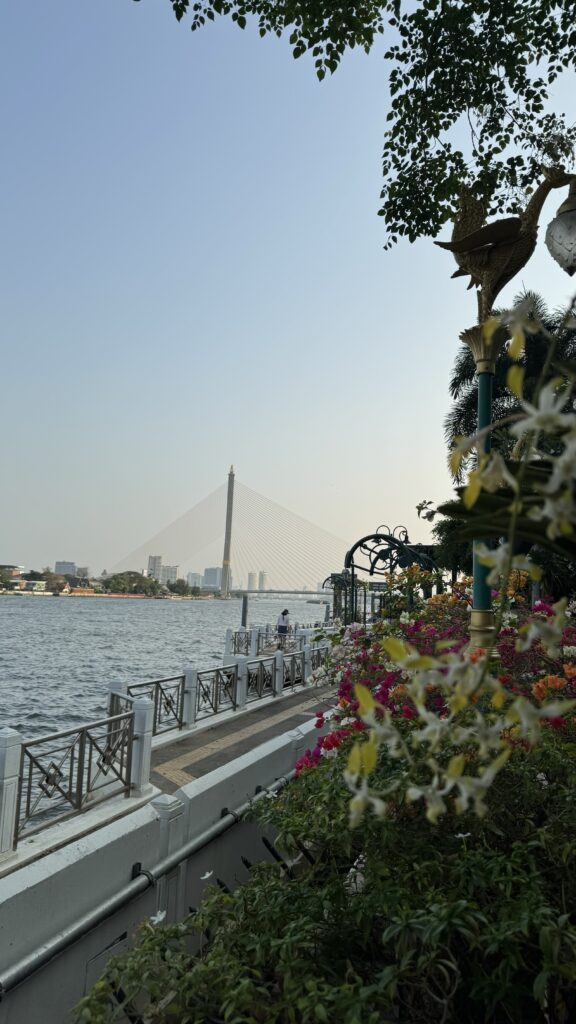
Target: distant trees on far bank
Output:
[(129, 582), (136, 583), (132, 583)]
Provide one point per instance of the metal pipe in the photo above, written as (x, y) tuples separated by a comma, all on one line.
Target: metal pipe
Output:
[(147, 878)]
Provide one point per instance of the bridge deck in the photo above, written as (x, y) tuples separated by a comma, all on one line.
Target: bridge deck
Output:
[(209, 748)]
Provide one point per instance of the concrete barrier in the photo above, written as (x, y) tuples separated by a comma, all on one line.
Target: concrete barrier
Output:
[(64, 915)]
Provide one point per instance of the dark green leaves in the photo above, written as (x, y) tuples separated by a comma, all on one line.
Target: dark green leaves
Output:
[(458, 69)]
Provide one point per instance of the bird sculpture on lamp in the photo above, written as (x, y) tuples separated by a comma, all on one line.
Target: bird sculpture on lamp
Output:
[(492, 254)]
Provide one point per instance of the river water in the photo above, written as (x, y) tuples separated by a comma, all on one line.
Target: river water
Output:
[(58, 655)]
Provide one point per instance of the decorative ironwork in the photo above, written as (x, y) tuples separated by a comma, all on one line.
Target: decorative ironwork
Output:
[(241, 642), (318, 656), (168, 698), (384, 551), (217, 690), (380, 554), (294, 670), (260, 678), (62, 773), (280, 641)]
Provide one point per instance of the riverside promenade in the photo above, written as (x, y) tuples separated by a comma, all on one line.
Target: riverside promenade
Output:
[(178, 761)]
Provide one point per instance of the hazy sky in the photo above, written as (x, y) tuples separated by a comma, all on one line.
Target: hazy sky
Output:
[(192, 274)]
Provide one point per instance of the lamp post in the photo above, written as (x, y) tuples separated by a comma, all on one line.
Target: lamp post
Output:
[(485, 347), (491, 255)]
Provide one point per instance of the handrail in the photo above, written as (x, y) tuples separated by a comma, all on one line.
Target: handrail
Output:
[(94, 766)]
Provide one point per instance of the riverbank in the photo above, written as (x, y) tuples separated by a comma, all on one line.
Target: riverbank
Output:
[(94, 593)]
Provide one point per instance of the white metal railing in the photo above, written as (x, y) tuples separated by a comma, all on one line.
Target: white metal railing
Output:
[(167, 696), (54, 777), (49, 779), (264, 639), (260, 675), (216, 690)]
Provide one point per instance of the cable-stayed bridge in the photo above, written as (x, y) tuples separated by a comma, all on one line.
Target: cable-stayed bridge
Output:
[(264, 537)]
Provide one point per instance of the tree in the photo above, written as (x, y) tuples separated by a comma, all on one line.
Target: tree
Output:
[(502, 61), (132, 583), (179, 587), (54, 582), (462, 417), (450, 551)]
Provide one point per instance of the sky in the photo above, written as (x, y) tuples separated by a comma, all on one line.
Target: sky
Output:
[(193, 274)]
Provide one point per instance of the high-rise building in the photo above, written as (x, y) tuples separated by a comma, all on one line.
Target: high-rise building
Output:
[(262, 580), (65, 568), (168, 573), (83, 572), (251, 581), (154, 566), (194, 579), (212, 578)]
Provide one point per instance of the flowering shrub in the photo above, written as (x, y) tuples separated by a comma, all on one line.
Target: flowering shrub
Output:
[(451, 899)]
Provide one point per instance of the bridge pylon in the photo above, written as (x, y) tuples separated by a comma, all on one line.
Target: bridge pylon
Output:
[(225, 581)]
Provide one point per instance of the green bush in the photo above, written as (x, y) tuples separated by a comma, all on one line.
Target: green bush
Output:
[(468, 920)]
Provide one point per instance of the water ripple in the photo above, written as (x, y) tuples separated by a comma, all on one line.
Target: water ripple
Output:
[(58, 657)]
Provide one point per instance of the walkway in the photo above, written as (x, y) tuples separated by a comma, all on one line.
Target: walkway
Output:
[(212, 746)]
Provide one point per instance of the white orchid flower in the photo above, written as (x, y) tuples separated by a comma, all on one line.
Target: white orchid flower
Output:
[(547, 416), (560, 511)]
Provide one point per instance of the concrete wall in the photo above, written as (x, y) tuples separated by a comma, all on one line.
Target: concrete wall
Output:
[(41, 901)]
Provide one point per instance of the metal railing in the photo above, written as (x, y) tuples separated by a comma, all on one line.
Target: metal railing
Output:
[(65, 773), (261, 638), (167, 695), (241, 642), (280, 641), (318, 656), (294, 669), (260, 676), (62, 773), (217, 690)]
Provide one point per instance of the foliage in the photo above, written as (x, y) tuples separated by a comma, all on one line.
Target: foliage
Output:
[(54, 581), (461, 419), (398, 919), (180, 587), (503, 60), (449, 897), (132, 583), (451, 552)]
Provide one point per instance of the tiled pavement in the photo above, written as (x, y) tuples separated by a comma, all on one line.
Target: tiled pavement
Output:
[(209, 748)]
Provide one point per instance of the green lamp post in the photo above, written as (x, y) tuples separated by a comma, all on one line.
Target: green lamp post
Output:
[(485, 347), (491, 255)]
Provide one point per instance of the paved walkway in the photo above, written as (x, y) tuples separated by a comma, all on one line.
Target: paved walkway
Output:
[(210, 747)]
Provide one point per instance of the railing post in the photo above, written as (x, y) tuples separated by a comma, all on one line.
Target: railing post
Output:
[(10, 754), (242, 684), (171, 889), (278, 673), (115, 688), (229, 646), (190, 695), (307, 662), (142, 749), (254, 633)]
